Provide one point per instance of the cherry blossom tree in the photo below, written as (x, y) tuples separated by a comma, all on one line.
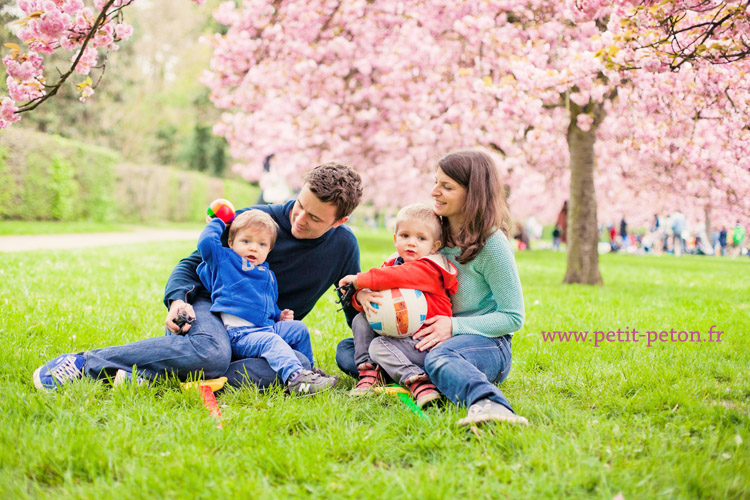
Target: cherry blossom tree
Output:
[(672, 34), (547, 87), (392, 88)]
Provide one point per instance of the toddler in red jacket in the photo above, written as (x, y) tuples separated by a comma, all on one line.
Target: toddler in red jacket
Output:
[(416, 265)]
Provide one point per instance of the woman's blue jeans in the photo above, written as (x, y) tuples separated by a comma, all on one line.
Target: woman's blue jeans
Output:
[(466, 368)]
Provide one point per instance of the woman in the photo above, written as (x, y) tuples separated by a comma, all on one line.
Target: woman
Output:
[(470, 352)]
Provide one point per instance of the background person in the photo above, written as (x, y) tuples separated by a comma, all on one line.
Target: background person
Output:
[(738, 236), (562, 222)]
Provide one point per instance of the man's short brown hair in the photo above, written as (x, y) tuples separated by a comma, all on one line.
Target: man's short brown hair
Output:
[(336, 183), (256, 219)]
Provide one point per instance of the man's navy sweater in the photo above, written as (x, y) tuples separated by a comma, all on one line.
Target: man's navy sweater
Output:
[(305, 269)]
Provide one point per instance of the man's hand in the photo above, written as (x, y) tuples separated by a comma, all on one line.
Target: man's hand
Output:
[(437, 330), (351, 278), (367, 297), (286, 315), (174, 311)]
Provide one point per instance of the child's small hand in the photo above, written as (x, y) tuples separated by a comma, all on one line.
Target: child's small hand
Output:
[(351, 278), (367, 297), (286, 315)]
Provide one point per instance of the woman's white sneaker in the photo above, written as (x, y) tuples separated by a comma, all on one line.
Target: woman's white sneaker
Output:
[(486, 410)]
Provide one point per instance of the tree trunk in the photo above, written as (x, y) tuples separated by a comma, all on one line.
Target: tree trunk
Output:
[(583, 231), (707, 215)]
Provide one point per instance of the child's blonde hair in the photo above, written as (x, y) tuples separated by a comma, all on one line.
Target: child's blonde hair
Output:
[(420, 212), (256, 219)]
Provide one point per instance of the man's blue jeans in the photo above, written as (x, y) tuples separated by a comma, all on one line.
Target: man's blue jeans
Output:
[(275, 344), (205, 348), (465, 368)]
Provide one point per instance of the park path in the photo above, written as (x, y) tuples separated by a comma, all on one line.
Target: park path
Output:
[(88, 240)]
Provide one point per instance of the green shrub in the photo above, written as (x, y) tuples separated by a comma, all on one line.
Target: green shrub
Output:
[(241, 194), (46, 177), (6, 184), (64, 190)]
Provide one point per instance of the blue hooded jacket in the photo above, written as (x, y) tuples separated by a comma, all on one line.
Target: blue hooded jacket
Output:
[(237, 286)]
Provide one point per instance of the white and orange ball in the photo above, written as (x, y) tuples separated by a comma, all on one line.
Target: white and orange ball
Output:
[(401, 313)]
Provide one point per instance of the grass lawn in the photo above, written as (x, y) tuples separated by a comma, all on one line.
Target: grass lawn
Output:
[(16, 228), (667, 421)]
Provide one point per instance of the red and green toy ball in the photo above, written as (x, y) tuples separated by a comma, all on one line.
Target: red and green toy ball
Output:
[(221, 208)]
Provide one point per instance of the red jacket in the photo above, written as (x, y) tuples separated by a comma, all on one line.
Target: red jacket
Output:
[(432, 275)]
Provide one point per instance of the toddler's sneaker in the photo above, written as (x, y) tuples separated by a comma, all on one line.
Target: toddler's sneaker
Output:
[(370, 376), (60, 370), (125, 377), (486, 410), (320, 372), (423, 390), (308, 382)]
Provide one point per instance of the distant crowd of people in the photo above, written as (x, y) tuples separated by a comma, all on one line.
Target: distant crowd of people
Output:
[(672, 234)]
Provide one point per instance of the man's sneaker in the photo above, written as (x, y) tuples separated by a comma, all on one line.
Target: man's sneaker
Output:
[(60, 370), (125, 377), (486, 410), (307, 382), (423, 390), (370, 376)]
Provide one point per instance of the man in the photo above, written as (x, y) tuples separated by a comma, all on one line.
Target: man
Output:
[(313, 251)]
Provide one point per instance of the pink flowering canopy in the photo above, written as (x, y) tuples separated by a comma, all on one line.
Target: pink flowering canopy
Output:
[(389, 86), (51, 26)]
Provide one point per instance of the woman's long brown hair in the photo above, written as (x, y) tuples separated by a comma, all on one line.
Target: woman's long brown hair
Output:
[(485, 208)]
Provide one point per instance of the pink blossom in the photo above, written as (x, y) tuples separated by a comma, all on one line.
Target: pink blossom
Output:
[(8, 114), (53, 23), (104, 36), (72, 6), (584, 121), (86, 92), (123, 31), (226, 13), (88, 59), (24, 91)]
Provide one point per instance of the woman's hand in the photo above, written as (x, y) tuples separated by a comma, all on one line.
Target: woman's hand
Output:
[(436, 330), (174, 309), (367, 297)]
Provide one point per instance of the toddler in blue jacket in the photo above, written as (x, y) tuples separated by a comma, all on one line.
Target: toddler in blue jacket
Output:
[(244, 292)]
